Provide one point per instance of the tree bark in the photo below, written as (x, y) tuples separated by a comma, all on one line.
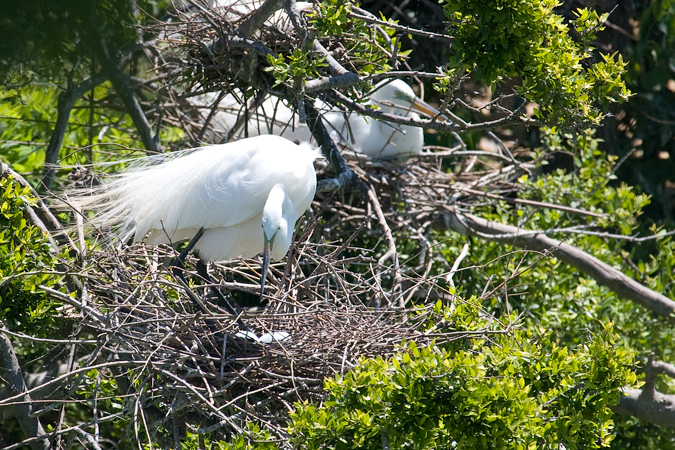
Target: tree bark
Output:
[(10, 371), (647, 403)]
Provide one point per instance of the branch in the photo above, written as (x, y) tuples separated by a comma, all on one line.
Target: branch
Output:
[(391, 253), (647, 403), (568, 209), (67, 100), (366, 16), (243, 66), (11, 374), (256, 20), (660, 410), (223, 44), (126, 93), (455, 125), (345, 175), (602, 273), (341, 76)]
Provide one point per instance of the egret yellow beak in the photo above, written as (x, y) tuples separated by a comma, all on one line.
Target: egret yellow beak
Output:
[(423, 107)]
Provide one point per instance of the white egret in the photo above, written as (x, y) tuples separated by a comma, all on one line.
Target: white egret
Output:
[(377, 139), (240, 199)]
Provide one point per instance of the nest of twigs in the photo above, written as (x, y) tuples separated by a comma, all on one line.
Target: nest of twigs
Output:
[(337, 298)]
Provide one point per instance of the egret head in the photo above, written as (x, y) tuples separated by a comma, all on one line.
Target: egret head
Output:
[(398, 98), (277, 214)]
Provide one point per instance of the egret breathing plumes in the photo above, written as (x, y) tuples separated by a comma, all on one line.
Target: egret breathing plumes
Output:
[(246, 196), (375, 138)]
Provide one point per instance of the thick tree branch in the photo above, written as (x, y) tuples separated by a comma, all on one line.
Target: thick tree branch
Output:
[(602, 273), (345, 175), (659, 410), (124, 90), (10, 372), (647, 403), (67, 100), (257, 18)]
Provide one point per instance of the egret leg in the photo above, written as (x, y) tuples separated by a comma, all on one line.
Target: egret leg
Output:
[(177, 269), (202, 270), (178, 264)]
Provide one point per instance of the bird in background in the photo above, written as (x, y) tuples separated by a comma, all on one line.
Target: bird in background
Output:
[(238, 199), (375, 138)]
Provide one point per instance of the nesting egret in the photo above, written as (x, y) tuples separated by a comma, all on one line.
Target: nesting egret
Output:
[(377, 139), (240, 199)]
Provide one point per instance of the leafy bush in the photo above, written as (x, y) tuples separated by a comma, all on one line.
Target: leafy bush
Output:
[(518, 391), (524, 38), (26, 261)]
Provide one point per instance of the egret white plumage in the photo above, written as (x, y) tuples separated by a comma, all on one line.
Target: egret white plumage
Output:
[(246, 197), (377, 139)]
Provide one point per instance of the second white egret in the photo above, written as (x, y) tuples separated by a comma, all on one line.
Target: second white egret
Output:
[(375, 138)]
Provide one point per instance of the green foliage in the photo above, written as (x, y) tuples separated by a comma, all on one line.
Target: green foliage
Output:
[(26, 261), (524, 38), (553, 296), (297, 66), (363, 45), (27, 117), (518, 391), (253, 438)]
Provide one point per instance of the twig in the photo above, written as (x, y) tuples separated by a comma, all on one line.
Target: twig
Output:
[(533, 203), (455, 266)]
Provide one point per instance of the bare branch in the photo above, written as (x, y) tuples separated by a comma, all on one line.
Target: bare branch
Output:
[(602, 273), (258, 17), (568, 209)]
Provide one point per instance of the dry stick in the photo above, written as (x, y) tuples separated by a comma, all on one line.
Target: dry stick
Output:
[(455, 266), (602, 273), (10, 372), (533, 203), (368, 17), (391, 253)]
